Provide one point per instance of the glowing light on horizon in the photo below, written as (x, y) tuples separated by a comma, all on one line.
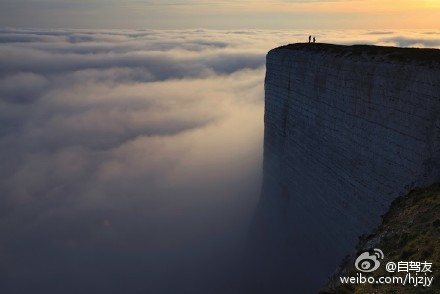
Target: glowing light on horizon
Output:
[(178, 14)]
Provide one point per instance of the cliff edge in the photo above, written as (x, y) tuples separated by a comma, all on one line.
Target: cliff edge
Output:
[(348, 129)]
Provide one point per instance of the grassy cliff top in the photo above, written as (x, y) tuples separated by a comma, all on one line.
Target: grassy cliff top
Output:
[(410, 231), (421, 56)]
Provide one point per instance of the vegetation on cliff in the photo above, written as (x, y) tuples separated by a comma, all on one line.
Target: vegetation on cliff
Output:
[(410, 231)]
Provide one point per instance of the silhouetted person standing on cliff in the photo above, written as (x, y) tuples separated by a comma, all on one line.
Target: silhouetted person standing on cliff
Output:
[(310, 39), (314, 40)]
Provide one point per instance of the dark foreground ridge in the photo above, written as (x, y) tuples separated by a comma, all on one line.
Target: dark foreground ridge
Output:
[(421, 56)]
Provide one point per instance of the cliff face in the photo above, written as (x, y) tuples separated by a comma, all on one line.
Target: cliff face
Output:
[(347, 130)]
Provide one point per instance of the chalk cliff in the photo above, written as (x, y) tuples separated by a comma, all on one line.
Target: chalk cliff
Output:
[(347, 130)]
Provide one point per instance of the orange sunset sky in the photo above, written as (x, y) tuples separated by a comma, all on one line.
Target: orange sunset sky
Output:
[(221, 14)]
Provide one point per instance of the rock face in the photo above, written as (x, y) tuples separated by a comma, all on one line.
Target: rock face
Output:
[(347, 130)]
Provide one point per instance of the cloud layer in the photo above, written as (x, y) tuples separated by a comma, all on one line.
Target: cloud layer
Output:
[(131, 159)]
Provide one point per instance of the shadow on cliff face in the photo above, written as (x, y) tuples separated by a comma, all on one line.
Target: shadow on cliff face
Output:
[(130, 159)]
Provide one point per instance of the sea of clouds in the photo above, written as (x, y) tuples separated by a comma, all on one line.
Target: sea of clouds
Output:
[(130, 160)]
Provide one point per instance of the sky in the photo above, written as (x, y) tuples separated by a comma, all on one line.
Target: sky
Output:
[(221, 14)]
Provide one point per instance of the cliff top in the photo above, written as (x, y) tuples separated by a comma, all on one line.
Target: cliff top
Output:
[(420, 55)]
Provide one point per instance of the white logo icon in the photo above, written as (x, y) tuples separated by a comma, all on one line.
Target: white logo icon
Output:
[(367, 262)]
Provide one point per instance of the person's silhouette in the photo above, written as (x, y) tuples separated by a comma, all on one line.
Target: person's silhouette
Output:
[(314, 40), (310, 39)]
